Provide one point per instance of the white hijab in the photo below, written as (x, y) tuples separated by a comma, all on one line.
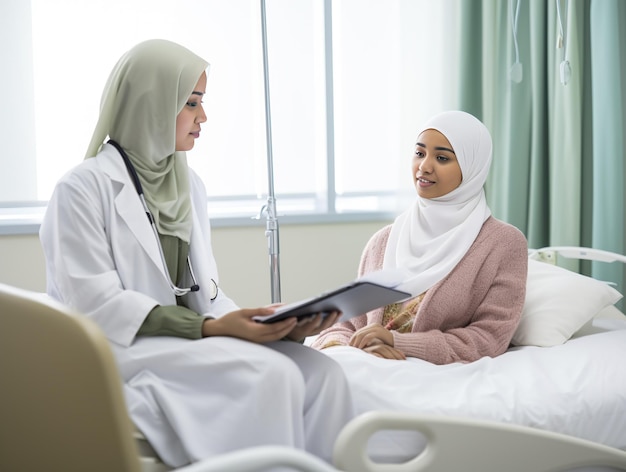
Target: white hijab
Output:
[(432, 236), (146, 90)]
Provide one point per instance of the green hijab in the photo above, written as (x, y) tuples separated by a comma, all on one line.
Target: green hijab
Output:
[(146, 90)]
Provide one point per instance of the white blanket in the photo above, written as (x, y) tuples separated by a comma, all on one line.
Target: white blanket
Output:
[(578, 388)]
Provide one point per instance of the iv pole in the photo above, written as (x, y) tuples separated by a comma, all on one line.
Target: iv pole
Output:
[(271, 228)]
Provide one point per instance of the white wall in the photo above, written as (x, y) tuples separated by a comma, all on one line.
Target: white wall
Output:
[(313, 259)]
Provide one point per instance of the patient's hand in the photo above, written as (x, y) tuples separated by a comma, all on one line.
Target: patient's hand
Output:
[(312, 325), (385, 351), (371, 335)]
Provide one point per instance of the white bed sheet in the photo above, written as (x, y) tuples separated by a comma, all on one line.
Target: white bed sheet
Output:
[(578, 388)]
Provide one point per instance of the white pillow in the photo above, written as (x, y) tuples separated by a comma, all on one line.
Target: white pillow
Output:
[(558, 303)]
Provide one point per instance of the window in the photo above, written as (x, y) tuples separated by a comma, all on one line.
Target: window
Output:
[(350, 81)]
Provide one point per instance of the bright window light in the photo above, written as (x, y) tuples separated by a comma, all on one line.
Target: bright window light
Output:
[(350, 82)]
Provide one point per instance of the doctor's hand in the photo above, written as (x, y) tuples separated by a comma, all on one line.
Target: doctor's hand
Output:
[(239, 324), (312, 325)]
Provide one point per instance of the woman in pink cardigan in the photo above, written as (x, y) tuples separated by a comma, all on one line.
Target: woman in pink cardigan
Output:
[(467, 269)]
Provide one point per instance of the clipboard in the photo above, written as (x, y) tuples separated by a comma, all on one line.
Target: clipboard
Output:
[(353, 299)]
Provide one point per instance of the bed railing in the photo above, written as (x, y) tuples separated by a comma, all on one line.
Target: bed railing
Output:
[(549, 254)]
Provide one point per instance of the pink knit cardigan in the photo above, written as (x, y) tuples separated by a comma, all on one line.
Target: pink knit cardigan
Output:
[(473, 312)]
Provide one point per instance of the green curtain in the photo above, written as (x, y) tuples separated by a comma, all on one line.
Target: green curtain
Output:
[(559, 162)]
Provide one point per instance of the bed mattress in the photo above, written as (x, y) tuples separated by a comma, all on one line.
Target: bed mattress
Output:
[(577, 388)]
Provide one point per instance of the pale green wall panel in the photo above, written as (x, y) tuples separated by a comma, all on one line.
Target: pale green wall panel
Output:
[(608, 45)]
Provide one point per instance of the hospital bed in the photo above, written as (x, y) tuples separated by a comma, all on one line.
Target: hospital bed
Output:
[(534, 408), (554, 401)]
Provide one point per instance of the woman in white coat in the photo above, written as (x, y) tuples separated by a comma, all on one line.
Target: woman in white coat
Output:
[(201, 377)]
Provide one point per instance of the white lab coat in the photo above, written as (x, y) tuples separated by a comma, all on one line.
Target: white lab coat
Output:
[(191, 398), (102, 257)]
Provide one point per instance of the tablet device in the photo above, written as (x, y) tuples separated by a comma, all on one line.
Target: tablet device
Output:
[(353, 299)]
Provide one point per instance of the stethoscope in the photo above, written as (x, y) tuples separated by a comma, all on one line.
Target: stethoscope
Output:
[(178, 291)]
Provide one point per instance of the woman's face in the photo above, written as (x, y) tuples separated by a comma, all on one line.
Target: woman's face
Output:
[(436, 170), (189, 119)]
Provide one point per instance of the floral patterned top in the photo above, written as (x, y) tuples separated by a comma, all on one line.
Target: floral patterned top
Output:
[(400, 316)]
